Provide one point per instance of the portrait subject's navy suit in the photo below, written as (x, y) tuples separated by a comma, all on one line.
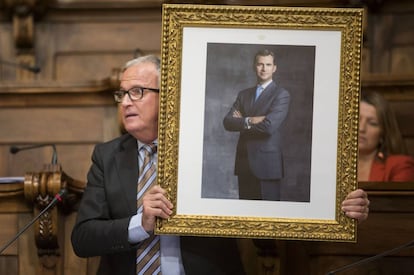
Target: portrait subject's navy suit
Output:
[(259, 147), (109, 202)]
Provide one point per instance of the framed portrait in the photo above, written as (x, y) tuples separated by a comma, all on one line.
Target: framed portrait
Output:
[(277, 166)]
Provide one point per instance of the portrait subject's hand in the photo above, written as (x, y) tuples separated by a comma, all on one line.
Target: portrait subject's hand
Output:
[(236, 113), (257, 119), (155, 204), (356, 205)]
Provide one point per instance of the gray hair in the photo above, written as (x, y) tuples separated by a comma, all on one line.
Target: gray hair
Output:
[(145, 59)]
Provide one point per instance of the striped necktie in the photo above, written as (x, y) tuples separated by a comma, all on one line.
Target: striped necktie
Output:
[(148, 254)]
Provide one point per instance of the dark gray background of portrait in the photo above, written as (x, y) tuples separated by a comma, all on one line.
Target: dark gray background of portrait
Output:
[(230, 70)]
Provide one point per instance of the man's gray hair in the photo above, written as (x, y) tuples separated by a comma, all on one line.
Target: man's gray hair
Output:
[(145, 59)]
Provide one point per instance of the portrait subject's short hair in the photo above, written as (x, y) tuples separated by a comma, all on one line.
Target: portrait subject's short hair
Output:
[(264, 52)]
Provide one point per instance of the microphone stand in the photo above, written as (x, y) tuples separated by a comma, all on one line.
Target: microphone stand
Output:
[(370, 259), (58, 197), (15, 150)]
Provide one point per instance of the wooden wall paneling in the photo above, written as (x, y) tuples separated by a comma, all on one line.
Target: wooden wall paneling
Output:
[(76, 159), (72, 263), (75, 131), (26, 161), (391, 41), (402, 49), (13, 205), (7, 52), (404, 111), (388, 266), (45, 49), (4, 161), (389, 225), (10, 220), (70, 66), (380, 26), (27, 253), (86, 50), (8, 265), (111, 123), (19, 256), (43, 100), (8, 231), (365, 61), (402, 60), (55, 125), (108, 35)]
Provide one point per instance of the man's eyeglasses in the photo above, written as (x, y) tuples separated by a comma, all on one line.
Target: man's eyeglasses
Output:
[(135, 93)]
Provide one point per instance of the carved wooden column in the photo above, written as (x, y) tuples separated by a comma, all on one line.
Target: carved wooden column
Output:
[(40, 189)]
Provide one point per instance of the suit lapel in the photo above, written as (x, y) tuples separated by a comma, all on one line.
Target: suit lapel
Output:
[(264, 97), (127, 166), (250, 98), (266, 94)]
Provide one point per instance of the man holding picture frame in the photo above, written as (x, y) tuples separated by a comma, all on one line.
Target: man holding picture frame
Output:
[(114, 221)]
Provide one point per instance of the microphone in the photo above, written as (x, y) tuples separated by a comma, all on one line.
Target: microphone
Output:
[(370, 259), (57, 198), (15, 150), (33, 69)]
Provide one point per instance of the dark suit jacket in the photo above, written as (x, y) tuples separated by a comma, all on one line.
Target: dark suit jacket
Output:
[(259, 148), (109, 202)]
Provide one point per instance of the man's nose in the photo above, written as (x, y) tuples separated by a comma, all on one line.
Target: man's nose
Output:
[(126, 100)]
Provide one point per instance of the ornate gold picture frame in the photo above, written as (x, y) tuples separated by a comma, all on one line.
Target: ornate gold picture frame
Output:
[(207, 53)]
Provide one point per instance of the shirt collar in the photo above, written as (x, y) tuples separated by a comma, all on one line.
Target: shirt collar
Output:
[(264, 85), (140, 144)]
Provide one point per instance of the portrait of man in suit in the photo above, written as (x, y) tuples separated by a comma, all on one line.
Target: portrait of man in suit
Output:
[(258, 114), (231, 68)]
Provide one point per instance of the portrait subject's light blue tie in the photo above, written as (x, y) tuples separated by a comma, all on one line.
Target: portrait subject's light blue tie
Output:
[(259, 91), (148, 254)]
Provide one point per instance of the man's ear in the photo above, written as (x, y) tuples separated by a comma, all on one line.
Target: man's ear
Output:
[(275, 69)]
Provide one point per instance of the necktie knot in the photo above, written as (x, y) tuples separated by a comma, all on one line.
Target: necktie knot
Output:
[(149, 149), (146, 152), (259, 90)]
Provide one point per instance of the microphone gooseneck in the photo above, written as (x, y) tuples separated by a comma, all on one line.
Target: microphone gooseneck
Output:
[(15, 150), (57, 198)]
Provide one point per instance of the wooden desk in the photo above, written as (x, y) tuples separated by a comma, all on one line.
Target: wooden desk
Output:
[(390, 224)]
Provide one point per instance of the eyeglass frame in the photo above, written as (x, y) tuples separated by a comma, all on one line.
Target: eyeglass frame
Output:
[(140, 89)]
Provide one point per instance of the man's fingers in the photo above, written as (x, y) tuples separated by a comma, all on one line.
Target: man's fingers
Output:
[(156, 204)]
